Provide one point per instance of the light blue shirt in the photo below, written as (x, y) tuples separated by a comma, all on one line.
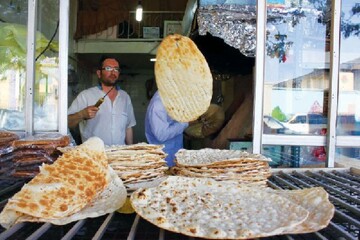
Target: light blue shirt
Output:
[(112, 119), (160, 128)]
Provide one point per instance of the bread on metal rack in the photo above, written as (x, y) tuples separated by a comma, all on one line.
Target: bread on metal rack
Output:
[(78, 185)]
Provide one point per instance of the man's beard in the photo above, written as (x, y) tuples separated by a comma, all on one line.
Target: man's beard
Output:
[(108, 84)]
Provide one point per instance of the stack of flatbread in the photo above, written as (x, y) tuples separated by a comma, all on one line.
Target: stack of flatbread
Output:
[(203, 207), (80, 184), (225, 165), (6, 140), (26, 154), (138, 165)]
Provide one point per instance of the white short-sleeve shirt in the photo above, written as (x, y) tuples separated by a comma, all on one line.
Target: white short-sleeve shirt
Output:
[(112, 119)]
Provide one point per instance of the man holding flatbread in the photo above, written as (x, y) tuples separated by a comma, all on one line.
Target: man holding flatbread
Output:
[(105, 110), (160, 128)]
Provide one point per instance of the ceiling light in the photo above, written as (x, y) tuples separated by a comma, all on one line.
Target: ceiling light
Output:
[(152, 59), (139, 12)]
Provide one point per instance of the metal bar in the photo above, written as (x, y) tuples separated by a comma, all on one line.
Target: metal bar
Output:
[(261, 18), (341, 231), (286, 182), (334, 81), (294, 140), (349, 219), (349, 197), (100, 232), (38, 233), (337, 183), (132, 232), (289, 237), (347, 176), (341, 179), (348, 141), (319, 236), (331, 198), (30, 67), (337, 212), (295, 179), (11, 231), (63, 65), (161, 234), (272, 184), (73, 230), (11, 187), (157, 12), (344, 205)]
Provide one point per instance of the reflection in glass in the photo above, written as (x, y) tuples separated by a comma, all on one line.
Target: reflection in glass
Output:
[(13, 33), (13, 43), (295, 156), (297, 65), (348, 122), (47, 64), (347, 155)]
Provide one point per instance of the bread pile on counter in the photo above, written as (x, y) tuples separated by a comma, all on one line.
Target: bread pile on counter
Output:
[(78, 185), (21, 158), (6, 141), (235, 165), (138, 165), (218, 194)]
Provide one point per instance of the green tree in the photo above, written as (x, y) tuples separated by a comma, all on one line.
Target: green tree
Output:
[(278, 114)]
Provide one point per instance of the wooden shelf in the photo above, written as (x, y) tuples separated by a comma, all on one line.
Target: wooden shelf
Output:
[(148, 46)]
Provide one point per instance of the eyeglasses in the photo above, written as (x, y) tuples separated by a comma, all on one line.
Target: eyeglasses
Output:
[(110, 69)]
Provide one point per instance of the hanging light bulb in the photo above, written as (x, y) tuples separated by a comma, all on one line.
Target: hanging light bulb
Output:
[(139, 12)]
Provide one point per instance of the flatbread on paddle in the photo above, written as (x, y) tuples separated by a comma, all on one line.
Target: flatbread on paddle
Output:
[(183, 78)]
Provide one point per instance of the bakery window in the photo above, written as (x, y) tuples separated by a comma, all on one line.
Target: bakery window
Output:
[(31, 67)]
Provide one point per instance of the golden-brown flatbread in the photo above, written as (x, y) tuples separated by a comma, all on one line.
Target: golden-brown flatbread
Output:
[(66, 187), (183, 78)]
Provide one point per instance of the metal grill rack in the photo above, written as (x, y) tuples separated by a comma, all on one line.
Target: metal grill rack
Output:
[(343, 186)]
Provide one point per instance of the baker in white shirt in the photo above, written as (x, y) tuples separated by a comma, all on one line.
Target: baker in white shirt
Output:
[(113, 120)]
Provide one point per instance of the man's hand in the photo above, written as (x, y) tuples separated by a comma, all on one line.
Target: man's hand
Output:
[(89, 112), (86, 113)]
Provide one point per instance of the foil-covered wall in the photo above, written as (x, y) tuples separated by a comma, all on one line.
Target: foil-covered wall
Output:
[(235, 23), (235, 20)]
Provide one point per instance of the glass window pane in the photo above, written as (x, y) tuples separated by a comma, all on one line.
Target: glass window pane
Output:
[(47, 75), (13, 33), (295, 156), (13, 43), (348, 156), (297, 66), (348, 122)]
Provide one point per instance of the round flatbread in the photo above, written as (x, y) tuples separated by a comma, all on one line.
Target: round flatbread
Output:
[(216, 210), (183, 78)]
